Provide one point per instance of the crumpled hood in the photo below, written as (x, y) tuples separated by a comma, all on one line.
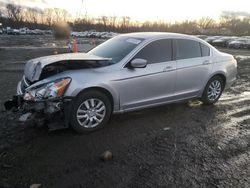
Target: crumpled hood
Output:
[(34, 67)]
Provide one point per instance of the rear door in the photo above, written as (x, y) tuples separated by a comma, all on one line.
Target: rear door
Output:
[(193, 67)]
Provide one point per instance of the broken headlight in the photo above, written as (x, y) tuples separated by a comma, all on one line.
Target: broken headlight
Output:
[(47, 91)]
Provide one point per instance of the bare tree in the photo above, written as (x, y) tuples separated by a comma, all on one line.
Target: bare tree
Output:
[(206, 22), (32, 15), (14, 13), (125, 20), (113, 20), (230, 20), (104, 20), (49, 16), (65, 15), (237, 23), (61, 15), (57, 12)]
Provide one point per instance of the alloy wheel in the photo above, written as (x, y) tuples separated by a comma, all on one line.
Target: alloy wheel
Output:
[(214, 90), (91, 113)]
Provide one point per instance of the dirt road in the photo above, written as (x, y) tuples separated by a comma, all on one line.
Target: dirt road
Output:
[(178, 145)]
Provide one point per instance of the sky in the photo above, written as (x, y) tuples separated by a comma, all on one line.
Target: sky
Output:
[(141, 10)]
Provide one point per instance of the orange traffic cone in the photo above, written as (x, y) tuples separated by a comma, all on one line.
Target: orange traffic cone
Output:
[(75, 47)]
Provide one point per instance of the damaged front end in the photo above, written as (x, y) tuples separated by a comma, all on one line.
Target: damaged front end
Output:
[(44, 103), (40, 93)]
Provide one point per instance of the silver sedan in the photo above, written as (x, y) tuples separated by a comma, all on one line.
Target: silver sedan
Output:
[(128, 72)]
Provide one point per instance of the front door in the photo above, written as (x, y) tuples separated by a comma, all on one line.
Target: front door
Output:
[(153, 84)]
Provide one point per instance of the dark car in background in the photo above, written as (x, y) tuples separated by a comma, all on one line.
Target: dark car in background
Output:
[(240, 43), (211, 39), (223, 42)]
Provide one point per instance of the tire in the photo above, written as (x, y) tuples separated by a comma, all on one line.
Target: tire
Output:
[(213, 90), (91, 111)]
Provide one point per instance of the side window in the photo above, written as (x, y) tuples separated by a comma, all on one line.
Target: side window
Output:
[(205, 50), (188, 49), (157, 51)]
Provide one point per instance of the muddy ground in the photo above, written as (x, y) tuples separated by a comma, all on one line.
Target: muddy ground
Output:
[(178, 145)]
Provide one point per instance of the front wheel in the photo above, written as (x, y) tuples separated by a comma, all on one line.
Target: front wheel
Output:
[(213, 90), (91, 111)]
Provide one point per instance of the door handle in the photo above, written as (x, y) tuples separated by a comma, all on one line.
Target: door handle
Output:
[(206, 62), (168, 68)]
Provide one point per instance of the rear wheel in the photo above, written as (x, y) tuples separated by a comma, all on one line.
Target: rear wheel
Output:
[(213, 90), (91, 111)]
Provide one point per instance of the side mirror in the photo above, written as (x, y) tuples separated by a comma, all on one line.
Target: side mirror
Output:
[(138, 63)]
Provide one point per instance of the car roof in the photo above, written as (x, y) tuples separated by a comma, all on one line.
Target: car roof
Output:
[(148, 36), (156, 35)]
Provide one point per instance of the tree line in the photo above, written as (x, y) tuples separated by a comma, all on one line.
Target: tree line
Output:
[(230, 23)]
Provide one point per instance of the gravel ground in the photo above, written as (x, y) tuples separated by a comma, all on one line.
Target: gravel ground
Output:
[(178, 145)]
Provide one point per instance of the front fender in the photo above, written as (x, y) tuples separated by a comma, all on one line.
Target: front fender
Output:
[(79, 87)]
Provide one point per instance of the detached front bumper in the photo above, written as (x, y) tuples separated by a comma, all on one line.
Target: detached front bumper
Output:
[(15, 102), (54, 112)]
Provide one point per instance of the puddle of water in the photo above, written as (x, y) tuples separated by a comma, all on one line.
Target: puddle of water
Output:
[(194, 103), (234, 101), (231, 99), (166, 128), (242, 57), (229, 130), (246, 93), (241, 109)]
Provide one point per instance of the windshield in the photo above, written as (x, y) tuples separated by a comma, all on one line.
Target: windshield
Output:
[(116, 48)]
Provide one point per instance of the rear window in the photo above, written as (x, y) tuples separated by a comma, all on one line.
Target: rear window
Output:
[(205, 50), (188, 49)]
